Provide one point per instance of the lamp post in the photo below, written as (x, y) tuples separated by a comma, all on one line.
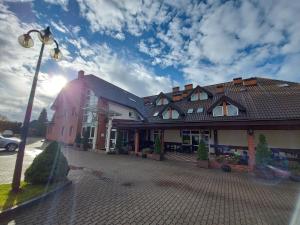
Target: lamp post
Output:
[(26, 41)]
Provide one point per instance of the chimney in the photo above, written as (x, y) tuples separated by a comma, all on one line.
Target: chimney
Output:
[(188, 87), (220, 88), (237, 81), (80, 74), (175, 89), (252, 81), (177, 96)]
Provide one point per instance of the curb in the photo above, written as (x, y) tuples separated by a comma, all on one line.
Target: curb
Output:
[(17, 208)]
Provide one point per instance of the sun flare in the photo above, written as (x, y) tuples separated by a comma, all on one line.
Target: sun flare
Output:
[(54, 84)]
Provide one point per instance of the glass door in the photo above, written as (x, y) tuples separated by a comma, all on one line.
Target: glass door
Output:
[(113, 139), (195, 140)]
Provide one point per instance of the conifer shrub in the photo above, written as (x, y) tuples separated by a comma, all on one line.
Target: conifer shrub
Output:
[(202, 151), (263, 154)]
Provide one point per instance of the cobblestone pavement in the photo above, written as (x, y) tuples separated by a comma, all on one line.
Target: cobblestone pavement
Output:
[(120, 189)]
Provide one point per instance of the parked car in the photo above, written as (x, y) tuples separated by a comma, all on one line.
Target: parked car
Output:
[(9, 143)]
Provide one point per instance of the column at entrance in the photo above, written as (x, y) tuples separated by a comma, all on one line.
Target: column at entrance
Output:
[(108, 130), (251, 150), (136, 141)]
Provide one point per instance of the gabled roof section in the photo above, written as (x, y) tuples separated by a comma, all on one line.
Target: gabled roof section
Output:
[(113, 93), (198, 88), (161, 94), (173, 106), (225, 98)]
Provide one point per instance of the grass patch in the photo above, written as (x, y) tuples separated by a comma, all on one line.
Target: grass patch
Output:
[(9, 199)]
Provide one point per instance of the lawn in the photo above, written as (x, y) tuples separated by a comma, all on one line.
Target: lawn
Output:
[(27, 192)]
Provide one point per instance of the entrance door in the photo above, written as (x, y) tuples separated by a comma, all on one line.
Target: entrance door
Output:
[(195, 140), (113, 139)]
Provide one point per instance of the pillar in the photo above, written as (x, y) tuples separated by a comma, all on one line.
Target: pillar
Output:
[(109, 126), (216, 142), (251, 150), (136, 141)]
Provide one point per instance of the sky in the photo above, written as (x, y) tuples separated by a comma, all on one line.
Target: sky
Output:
[(145, 46)]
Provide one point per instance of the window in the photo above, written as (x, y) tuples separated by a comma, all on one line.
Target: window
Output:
[(162, 101), (186, 137), (218, 111), (200, 110), (156, 134), (73, 111), (130, 114), (203, 96), (232, 110), (62, 131), (194, 97), (155, 114), (199, 96), (170, 114), (175, 114), (70, 131), (166, 114), (190, 111)]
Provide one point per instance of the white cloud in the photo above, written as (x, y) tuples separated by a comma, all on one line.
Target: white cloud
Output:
[(62, 3)]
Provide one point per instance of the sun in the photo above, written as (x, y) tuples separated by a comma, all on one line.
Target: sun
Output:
[(54, 84)]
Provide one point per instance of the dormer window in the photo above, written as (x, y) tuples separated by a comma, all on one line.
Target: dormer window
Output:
[(162, 101), (218, 111), (170, 114), (199, 96), (232, 110), (200, 110), (226, 110), (155, 114)]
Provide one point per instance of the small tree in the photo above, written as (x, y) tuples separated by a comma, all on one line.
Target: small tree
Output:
[(78, 139), (202, 151), (263, 154), (157, 145), (119, 143), (49, 166), (85, 140)]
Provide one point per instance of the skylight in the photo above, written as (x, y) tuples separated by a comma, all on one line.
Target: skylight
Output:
[(283, 85), (200, 110), (190, 111), (155, 114)]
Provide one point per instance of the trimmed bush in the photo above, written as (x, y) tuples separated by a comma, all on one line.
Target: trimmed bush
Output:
[(48, 167), (202, 151), (263, 154), (157, 147)]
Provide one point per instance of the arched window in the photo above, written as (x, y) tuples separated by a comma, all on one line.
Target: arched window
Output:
[(170, 114), (199, 96), (232, 110)]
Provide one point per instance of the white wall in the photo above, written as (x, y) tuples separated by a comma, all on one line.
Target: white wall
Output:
[(280, 138), (123, 110), (232, 137)]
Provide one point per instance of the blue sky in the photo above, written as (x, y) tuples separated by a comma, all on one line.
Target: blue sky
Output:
[(147, 46)]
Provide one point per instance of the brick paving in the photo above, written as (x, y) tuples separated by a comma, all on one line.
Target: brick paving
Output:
[(119, 189)]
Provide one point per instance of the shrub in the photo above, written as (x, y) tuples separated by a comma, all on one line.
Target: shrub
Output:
[(49, 166), (85, 141), (157, 145), (263, 153), (202, 151)]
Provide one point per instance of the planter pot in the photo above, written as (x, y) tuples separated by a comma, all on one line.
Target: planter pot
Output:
[(203, 164), (158, 157), (139, 154)]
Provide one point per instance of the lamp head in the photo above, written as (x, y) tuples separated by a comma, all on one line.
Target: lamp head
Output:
[(46, 36), (56, 54), (25, 40)]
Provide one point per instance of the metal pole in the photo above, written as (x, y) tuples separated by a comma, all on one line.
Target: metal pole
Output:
[(19, 161)]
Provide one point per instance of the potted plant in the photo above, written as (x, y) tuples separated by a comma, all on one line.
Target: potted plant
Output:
[(202, 155), (157, 154)]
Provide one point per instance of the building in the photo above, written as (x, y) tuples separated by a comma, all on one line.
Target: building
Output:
[(227, 116)]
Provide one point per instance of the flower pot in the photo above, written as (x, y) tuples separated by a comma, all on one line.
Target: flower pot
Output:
[(203, 164)]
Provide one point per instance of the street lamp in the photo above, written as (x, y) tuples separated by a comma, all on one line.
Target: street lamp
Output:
[(26, 41)]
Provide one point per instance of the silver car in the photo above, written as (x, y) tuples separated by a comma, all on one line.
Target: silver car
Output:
[(9, 143)]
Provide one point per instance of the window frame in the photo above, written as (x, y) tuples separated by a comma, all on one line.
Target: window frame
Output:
[(227, 111), (222, 114)]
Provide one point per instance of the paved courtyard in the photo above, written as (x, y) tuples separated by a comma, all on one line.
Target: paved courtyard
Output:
[(120, 189)]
